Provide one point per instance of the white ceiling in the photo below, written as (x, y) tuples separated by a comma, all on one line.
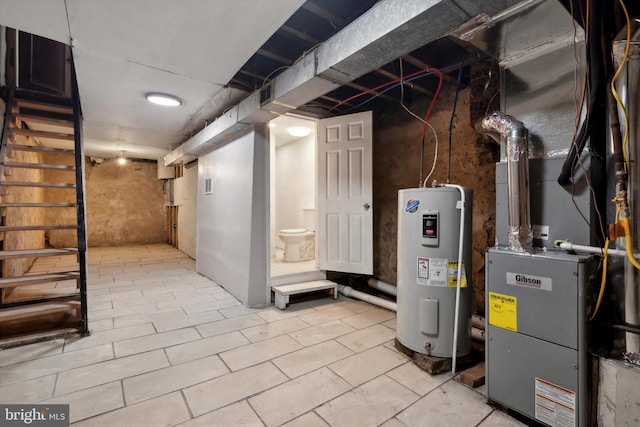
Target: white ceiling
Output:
[(125, 48)]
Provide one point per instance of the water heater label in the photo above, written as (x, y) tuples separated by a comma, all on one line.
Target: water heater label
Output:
[(555, 405), (527, 280), (432, 271), (452, 268)]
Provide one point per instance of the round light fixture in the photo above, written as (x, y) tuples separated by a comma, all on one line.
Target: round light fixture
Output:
[(298, 131), (163, 99)]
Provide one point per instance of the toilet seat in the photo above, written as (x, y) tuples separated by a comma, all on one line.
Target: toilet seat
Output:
[(293, 231)]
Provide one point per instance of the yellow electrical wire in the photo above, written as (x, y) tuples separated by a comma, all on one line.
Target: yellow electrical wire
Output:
[(603, 282), (626, 226), (628, 243), (613, 87)]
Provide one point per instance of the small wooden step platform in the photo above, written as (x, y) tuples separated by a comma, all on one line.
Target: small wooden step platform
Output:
[(43, 106), (283, 292)]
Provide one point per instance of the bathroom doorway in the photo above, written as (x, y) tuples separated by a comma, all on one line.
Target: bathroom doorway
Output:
[(293, 249)]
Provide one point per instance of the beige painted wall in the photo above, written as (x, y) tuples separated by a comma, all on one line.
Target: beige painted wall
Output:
[(125, 204)]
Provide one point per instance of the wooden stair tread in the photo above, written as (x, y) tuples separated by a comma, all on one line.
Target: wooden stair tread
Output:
[(43, 106), (8, 282), (40, 148), (39, 166), (36, 184), (35, 253), (31, 118), (36, 205), (38, 227), (43, 134), (39, 309), (36, 337)]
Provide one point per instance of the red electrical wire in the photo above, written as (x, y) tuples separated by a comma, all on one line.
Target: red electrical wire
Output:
[(358, 95), (433, 101)]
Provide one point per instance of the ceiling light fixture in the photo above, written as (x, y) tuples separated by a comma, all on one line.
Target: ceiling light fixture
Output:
[(297, 131), (121, 159), (163, 99)]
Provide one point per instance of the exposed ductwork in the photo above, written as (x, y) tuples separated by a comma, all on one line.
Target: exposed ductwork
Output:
[(390, 29), (499, 126)]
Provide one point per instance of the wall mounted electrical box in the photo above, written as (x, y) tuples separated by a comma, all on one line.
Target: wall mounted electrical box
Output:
[(536, 361)]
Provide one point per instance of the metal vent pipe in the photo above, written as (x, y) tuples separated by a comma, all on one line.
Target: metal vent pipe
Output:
[(498, 126)]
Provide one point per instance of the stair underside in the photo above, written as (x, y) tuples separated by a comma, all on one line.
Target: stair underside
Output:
[(35, 253), (39, 166), (38, 227), (40, 309), (36, 205), (40, 106), (36, 184), (10, 282), (40, 148), (32, 118), (43, 134)]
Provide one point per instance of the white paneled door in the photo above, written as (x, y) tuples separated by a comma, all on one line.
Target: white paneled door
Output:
[(345, 212)]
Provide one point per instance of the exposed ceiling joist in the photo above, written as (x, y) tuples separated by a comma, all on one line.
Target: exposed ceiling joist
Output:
[(394, 77), (323, 13), (416, 62)]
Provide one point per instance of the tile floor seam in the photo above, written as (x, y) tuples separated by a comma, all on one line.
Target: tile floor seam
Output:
[(483, 420), (254, 409)]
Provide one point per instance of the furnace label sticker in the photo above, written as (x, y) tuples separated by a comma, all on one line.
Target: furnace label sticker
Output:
[(555, 405), (412, 205), (503, 311), (452, 281), (432, 272), (529, 281)]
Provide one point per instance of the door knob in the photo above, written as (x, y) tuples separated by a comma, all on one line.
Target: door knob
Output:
[(366, 206)]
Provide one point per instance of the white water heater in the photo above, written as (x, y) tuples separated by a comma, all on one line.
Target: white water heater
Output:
[(428, 242)]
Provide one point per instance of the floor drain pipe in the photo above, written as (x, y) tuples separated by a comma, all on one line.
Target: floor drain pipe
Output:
[(348, 291), (385, 287)]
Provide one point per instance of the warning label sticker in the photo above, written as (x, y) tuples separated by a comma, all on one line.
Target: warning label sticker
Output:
[(432, 271), (555, 405), (503, 311), (452, 281)]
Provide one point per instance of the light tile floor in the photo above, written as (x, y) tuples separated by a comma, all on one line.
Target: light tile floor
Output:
[(170, 347)]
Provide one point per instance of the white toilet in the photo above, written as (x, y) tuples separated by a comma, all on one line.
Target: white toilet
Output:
[(300, 243)]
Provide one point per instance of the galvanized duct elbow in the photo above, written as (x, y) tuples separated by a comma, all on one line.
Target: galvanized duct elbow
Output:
[(498, 126)]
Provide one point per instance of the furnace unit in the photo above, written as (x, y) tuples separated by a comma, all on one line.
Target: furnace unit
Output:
[(536, 361)]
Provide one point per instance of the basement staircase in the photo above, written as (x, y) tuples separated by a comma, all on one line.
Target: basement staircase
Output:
[(42, 226)]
